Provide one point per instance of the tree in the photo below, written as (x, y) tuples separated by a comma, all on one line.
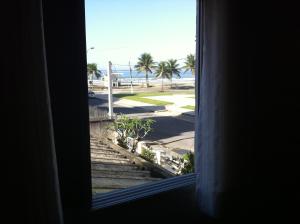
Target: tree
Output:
[(188, 163), (162, 72), (173, 68), (190, 64), (92, 70), (145, 64), (135, 128)]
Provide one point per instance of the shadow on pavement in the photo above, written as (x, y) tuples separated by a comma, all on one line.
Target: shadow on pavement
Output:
[(102, 104), (167, 127), (182, 87), (164, 127)]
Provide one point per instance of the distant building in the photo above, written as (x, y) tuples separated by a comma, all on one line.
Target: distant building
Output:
[(116, 81)]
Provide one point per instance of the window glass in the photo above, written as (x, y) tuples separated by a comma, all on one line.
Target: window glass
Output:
[(141, 81)]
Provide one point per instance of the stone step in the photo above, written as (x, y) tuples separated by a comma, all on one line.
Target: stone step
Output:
[(107, 155), (130, 173), (111, 160), (123, 175), (107, 152), (103, 150), (97, 146), (119, 182), (95, 156), (97, 143), (99, 152), (114, 167), (93, 138), (103, 190)]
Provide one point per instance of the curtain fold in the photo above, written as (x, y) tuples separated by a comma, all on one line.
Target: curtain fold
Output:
[(32, 161), (212, 152), (246, 161)]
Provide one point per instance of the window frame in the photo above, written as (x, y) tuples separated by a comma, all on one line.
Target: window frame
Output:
[(146, 190), (69, 48)]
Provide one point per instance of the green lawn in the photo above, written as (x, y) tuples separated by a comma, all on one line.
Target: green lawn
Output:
[(140, 97), (189, 107)]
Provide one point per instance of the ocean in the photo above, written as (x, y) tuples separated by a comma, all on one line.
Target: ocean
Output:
[(137, 78), (135, 74)]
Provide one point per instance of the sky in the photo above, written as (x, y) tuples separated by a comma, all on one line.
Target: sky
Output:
[(121, 30)]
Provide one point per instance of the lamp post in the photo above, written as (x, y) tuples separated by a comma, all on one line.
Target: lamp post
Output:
[(91, 48)]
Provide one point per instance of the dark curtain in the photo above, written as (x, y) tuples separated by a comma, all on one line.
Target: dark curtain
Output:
[(247, 158), (31, 171)]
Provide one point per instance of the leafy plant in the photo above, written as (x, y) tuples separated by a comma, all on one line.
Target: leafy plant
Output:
[(134, 128), (188, 163), (148, 155)]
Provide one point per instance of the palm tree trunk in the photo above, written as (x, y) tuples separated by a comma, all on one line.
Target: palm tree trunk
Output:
[(162, 84), (147, 82)]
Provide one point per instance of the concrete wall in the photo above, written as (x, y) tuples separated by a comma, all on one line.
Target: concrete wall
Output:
[(101, 129)]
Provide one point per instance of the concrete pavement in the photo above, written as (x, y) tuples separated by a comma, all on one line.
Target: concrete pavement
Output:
[(173, 131)]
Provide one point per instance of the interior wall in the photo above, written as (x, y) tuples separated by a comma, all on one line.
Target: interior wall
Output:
[(273, 43)]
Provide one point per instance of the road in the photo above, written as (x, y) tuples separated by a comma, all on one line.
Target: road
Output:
[(174, 132)]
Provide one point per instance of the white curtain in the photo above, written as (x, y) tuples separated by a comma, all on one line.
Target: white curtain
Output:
[(210, 111)]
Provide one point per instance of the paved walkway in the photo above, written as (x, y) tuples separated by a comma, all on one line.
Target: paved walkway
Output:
[(133, 103), (179, 101), (175, 109)]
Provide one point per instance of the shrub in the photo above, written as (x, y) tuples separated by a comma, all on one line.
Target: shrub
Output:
[(188, 163), (135, 128), (148, 155)]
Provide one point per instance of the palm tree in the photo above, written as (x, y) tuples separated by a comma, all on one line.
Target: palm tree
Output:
[(162, 72), (190, 64), (145, 64), (173, 68)]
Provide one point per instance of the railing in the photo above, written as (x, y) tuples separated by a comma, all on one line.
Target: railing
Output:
[(139, 81)]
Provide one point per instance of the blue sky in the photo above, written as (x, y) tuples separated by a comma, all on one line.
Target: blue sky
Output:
[(121, 30)]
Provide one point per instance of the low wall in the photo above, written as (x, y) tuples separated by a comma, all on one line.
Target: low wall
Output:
[(101, 129)]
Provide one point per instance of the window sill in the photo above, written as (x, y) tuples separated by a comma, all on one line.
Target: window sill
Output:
[(141, 191)]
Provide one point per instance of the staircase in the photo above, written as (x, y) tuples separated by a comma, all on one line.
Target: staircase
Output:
[(112, 169)]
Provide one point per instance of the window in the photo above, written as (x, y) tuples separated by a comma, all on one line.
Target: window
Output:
[(69, 106), (141, 72)]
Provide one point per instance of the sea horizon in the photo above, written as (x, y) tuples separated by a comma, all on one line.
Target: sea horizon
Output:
[(125, 74)]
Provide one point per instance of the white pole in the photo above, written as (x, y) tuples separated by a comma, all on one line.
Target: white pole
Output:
[(110, 98), (131, 88)]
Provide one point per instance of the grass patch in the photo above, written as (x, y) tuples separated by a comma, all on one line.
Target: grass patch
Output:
[(189, 107), (144, 94), (140, 97)]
